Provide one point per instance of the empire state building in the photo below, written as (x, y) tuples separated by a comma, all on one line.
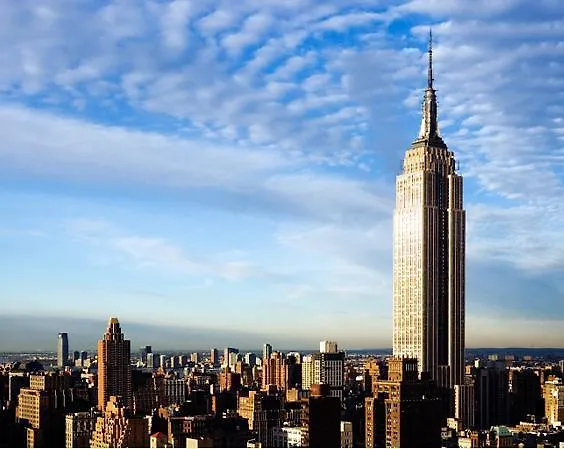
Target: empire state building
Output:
[(429, 248)]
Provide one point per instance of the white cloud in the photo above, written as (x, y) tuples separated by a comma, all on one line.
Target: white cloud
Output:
[(218, 21), (251, 32), (160, 255)]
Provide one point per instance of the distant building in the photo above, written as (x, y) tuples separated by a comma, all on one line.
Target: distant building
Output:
[(307, 372), (287, 436), (250, 359), (292, 372), (143, 351), (324, 368), (16, 381), (229, 380), (464, 404), (174, 391), (263, 412), (273, 372), (63, 350), (194, 357), (34, 411), (38, 408), (118, 429), (500, 436), (162, 361), (78, 429), (525, 395), (199, 442), (346, 434), (491, 386), (151, 360), (553, 393), (214, 357), (329, 369), (114, 366), (266, 352), (230, 357), (158, 439), (328, 346)]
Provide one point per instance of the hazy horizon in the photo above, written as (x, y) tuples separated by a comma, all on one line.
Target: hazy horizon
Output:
[(29, 333)]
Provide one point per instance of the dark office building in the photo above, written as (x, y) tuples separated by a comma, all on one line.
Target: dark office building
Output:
[(525, 395), (321, 418), (63, 350), (492, 395)]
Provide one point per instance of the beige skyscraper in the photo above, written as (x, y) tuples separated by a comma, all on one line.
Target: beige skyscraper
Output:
[(429, 240), (114, 366)]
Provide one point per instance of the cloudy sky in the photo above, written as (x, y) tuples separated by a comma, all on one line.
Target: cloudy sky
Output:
[(230, 166)]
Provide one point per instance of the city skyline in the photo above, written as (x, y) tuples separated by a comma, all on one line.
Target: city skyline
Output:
[(248, 166)]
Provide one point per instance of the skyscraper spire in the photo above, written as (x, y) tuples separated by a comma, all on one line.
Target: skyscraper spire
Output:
[(430, 69), (429, 131)]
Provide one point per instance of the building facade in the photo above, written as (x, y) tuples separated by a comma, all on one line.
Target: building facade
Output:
[(429, 253), (62, 350), (78, 429), (404, 410), (114, 366), (117, 429), (321, 418), (554, 400)]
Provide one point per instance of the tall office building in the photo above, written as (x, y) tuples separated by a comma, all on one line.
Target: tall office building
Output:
[(114, 366), (328, 346), (491, 390), (143, 351), (273, 372), (230, 357), (250, 359), (63, 349), (307, 372), (266, 352), (214, 357), (429, 239)]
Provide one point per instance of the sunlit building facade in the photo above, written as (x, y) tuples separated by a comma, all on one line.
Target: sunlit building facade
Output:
[(114, 366)]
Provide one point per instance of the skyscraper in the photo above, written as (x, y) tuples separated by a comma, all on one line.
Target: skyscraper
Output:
[(429, 252), (63, 349), (214, 357), (114, 366), (266, 352)]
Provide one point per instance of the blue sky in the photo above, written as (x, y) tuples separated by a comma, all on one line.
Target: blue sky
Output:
[(230, 166)]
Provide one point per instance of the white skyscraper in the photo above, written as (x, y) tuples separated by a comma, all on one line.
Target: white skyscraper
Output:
[(429, 253)]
